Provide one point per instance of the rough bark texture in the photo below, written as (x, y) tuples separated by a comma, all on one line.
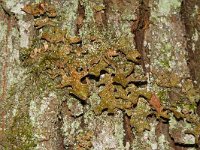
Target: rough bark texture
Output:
[(36, 114)]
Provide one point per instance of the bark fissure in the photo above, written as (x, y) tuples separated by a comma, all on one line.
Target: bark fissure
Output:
[(190, 19), (163, 129), (80, 17), (59, 125), (138, 28), (129, 137), (105, 14)]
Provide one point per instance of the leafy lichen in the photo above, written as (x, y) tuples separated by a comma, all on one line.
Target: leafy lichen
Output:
[(111, 64), (106, 67)]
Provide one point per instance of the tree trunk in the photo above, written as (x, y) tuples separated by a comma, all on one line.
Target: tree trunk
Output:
[(71, 76)]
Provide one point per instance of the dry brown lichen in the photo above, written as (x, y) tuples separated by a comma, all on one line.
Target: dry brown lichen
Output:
[(84, 140), (166, 78), (40, 9), (74, 80)]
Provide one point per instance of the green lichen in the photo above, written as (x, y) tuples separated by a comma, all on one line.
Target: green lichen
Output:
[(163, 143), (139, 116), (3, 30), (75, 107), (166, 5), (184, 129)]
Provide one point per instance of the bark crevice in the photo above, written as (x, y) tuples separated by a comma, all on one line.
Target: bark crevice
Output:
[(80, 17), (129, 137), (59, 124), (191, 23), (140, 25), (4, 85)]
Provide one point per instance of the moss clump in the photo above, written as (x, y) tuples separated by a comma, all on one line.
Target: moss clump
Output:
[(19, 136)]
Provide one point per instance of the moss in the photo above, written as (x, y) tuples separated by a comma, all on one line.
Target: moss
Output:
[(163, 94), (20, 135)]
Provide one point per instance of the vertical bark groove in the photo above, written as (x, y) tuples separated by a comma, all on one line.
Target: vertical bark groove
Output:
[(190, 19), (138, 28), (128, 132), (80, 17), (163, 129), (59, 125), (105, 14)]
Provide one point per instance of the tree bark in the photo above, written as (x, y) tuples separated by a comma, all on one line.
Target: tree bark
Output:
[(36, 114)]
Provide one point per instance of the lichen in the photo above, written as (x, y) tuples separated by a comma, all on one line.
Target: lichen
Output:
[(139, 117), (84, 140), (3, 30), (165, 5), (98, 66), (75, 107), (163, 143), (111, 64)]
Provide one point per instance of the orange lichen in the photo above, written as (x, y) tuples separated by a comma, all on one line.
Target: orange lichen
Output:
[(155, 102), (97, 68), (74, 40)]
